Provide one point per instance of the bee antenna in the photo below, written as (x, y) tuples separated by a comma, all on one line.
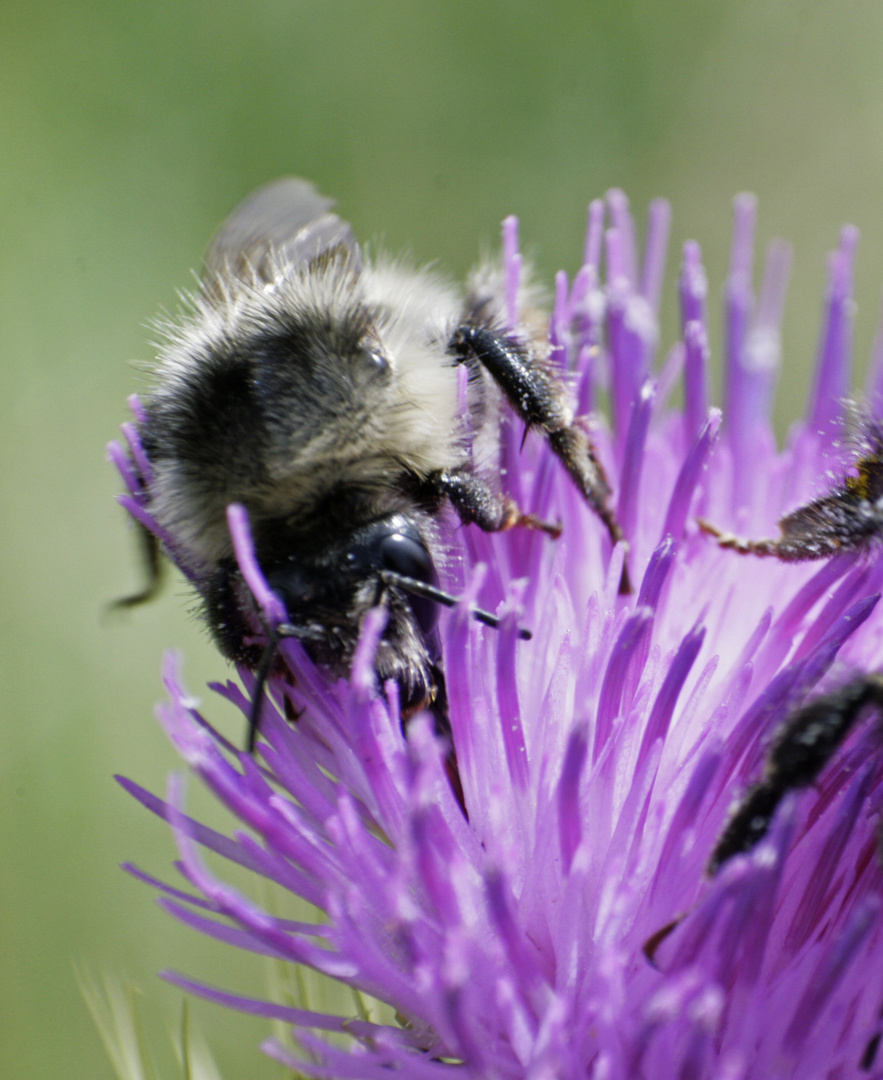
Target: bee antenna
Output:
[(431, 592)]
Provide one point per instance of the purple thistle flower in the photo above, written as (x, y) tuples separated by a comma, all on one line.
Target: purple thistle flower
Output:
[(569, 927)]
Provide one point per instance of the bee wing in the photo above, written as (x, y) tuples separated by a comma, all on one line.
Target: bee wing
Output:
[(286, 222)]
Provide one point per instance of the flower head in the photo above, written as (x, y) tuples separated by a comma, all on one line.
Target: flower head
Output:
[(569, 926)]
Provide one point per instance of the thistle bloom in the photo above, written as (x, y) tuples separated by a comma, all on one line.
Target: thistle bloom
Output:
[(569, 927)]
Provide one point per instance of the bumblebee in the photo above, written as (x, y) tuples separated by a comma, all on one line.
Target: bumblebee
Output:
[(344, 402)]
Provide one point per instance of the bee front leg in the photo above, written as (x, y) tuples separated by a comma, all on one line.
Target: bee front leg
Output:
[(537, 396), (477, 504)]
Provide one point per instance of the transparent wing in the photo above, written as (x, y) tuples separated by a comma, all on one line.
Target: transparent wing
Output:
[(286, 221)]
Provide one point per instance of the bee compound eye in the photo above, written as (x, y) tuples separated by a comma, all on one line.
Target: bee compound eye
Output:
[(409, 556)]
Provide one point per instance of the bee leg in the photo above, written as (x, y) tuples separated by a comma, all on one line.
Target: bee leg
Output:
[(261, 677), (737, 543), (153, 566), (537, 396), (817, 530), (477, 504), (801, 749), (226, 598), (748, 824), (442, 723)]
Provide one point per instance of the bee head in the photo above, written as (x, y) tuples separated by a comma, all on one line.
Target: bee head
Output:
[(350, 576)]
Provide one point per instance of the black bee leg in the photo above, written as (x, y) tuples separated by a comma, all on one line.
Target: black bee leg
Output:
[(847, 519), (153, 566), (477, 504), (801, 749), (442, 723), (805, 535), (737, 543), (261, 676), (537, 397)]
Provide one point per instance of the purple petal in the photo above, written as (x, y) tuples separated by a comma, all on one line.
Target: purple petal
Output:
[(835, 346), (240, 533), (656, 246)]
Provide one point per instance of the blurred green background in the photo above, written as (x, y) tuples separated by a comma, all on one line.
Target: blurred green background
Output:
[(127, 131)]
